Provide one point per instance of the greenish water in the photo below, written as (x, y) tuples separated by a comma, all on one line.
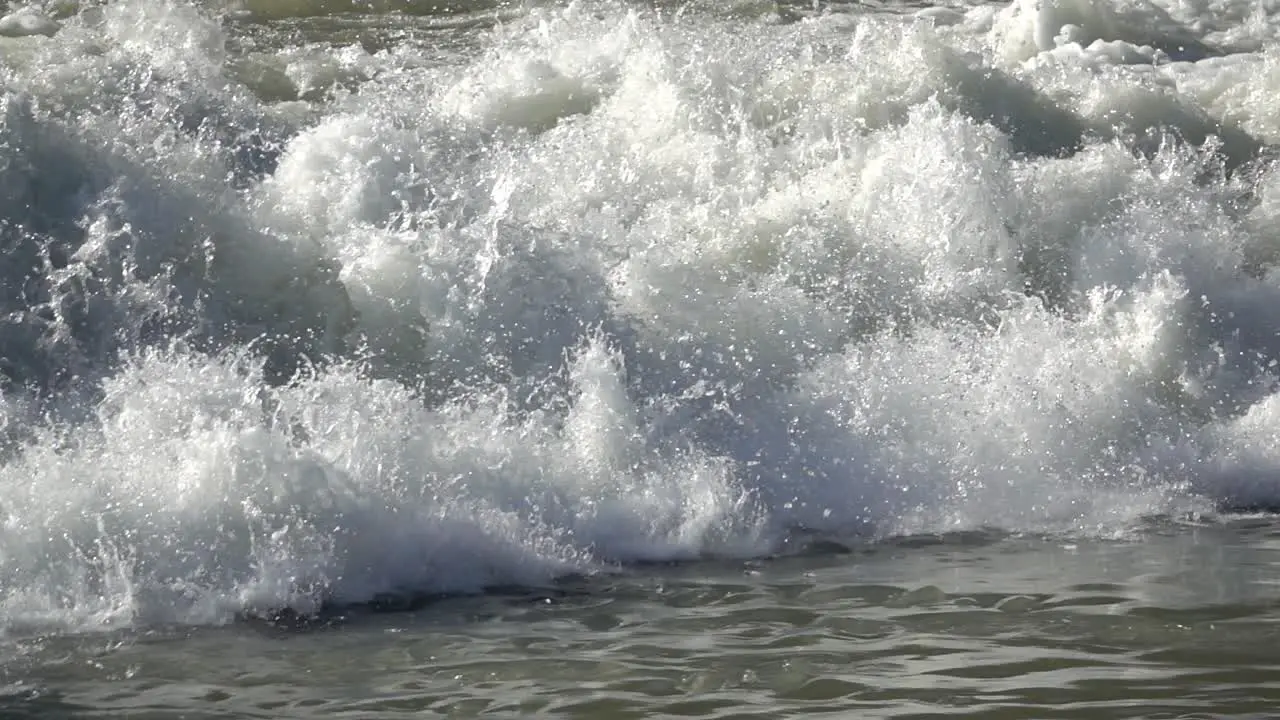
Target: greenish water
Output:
[(1177, 622)]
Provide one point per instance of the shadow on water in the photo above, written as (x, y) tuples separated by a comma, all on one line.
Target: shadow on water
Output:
[(640, 579), (800, 545), (39, 704), (333, 616)]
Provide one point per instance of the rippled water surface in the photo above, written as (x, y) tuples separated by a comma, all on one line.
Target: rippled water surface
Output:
[(1178, 622)]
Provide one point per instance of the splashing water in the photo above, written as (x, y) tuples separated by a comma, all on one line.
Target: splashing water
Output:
[(284, 325)]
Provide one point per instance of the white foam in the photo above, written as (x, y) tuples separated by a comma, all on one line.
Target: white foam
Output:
[(618, 287), (1114, 29), (26, 23)]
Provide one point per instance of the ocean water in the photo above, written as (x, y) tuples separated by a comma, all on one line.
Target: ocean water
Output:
[(603, 359)]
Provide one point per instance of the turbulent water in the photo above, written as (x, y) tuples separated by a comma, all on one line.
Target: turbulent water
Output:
[(308, 306)]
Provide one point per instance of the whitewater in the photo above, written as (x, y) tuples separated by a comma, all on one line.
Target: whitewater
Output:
[(308, 305)]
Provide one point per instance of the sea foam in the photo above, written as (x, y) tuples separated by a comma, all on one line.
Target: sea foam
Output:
[(616, 286)]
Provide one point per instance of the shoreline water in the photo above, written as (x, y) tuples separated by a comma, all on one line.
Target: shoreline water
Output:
[(1019, 627)]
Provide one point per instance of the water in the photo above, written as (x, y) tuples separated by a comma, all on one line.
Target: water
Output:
[(1177, 623), (605, 359)]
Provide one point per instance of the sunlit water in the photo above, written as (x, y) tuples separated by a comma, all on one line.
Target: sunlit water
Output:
[(606, 359)]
